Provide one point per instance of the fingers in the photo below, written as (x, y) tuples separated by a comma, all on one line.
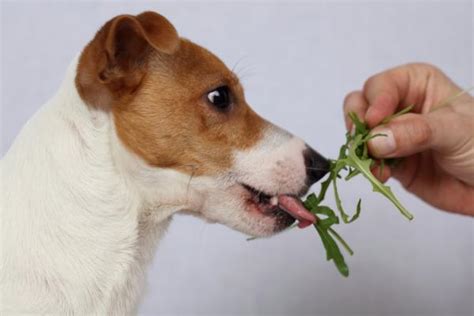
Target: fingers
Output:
[(379, 98), (354, 102), (382, 93), (385, 93), (444, 131), (436, 142), (417, 84), (404, 136)]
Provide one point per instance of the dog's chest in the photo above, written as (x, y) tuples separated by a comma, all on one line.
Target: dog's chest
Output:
[(127, 292)]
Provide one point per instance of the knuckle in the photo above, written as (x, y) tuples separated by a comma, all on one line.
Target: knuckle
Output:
[(418, 132), (423, 130), (423, 67)]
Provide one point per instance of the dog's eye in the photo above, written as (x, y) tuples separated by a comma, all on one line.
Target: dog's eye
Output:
[(220, 97)]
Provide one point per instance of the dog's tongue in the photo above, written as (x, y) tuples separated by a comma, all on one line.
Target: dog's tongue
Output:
[(293, 206)]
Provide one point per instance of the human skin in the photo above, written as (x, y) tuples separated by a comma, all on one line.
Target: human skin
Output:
[(435, 140)]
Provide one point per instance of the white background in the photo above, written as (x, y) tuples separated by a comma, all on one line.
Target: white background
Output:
[(297, 62)]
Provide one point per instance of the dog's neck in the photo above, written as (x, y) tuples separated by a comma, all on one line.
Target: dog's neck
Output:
[(86, 148)]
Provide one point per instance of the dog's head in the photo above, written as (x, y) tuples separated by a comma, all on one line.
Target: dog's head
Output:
[(192, 141)]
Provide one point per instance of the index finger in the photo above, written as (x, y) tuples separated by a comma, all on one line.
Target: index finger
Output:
[(394, 88)]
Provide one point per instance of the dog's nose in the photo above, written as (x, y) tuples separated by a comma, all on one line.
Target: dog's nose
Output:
[(316, 165)]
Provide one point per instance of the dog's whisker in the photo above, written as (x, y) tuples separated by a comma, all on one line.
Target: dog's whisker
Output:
[(237, 63), (191, 176), (245, 72)]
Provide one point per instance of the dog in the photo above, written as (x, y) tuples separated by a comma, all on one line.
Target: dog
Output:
[(145, 125)]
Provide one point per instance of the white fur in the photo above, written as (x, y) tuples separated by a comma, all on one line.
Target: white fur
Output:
[(81, 216), (274, 165)]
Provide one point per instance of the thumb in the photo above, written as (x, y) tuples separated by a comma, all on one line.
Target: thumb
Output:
[(403, 136)]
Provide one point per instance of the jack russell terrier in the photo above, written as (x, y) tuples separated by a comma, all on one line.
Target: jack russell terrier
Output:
[(146, 124)]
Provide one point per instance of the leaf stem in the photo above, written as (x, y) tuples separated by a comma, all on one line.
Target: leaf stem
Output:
[(341, 241), (453, 97)]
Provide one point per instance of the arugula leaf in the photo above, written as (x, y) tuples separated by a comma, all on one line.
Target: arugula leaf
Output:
[(332, 251), (353, 158), (364, 167), (341, 240), (344, 216), (312, 202), (360, 127), (322, 193), (327, 234)]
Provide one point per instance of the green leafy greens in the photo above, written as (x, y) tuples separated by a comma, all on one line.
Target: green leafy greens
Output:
[(355, 160)]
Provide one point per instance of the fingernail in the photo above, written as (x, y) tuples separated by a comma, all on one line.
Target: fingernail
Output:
[(384, 144)]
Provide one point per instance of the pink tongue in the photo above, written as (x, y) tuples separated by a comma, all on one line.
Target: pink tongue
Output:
[(295, 208)]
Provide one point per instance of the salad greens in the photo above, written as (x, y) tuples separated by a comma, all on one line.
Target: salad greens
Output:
[(355, 160)]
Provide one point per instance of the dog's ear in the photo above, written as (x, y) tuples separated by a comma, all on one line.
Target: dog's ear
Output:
[(113, 64)]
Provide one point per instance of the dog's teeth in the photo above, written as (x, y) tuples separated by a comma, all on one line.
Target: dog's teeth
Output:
[(274, 200)]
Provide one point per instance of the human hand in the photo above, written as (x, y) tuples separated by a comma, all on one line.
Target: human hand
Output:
[(436, 140)]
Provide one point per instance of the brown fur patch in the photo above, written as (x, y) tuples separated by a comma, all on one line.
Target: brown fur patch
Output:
[(170, 124), (166, 118), (113, 64)]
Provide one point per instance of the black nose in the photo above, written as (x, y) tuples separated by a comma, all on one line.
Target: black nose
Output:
[(316, 165)]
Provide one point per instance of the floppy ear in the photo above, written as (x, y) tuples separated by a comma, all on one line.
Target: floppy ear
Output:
[(113, 64)]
